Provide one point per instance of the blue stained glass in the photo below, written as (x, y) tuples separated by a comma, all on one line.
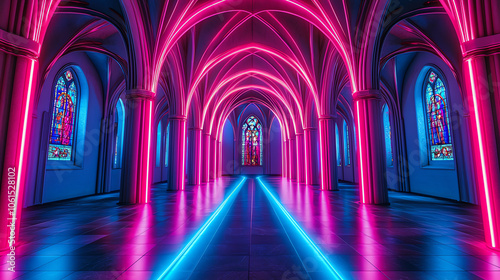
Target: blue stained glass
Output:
[(347, 156), (438, 120), (337, 143), (167, 136), (63, 118), (158, 145), (388, 136)]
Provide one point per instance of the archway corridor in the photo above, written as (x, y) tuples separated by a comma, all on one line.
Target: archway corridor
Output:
[(236, 228), (367, 130)]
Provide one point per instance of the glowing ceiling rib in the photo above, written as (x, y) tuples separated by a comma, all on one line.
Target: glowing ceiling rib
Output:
[(199, 233), (300, 231)]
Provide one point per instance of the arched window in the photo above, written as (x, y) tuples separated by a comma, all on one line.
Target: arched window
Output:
[(167, 144), (251, 142), (387, 134), (158, 145), (337, 143), (347, 156), (119, 126), (438, 120), (64, 112)]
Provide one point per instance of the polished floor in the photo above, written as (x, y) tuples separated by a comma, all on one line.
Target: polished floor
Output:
[(94, 238)]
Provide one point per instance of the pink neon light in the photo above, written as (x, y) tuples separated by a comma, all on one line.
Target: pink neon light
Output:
[(360, 154), (482, 155), (305, 159), (256, 87), (199, 135), (252, 72), (288, 60), (148, 151), (183, 155), (23, 140), (297, 143), (321, 151)]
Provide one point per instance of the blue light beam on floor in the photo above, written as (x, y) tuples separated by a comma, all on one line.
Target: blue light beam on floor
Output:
[(301, 232), (199, 234)]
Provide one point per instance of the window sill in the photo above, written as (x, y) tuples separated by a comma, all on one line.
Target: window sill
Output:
[(62, 166), (439, 167)]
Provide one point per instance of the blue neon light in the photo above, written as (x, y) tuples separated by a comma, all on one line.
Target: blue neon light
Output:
[(200, 232), (301, 232)]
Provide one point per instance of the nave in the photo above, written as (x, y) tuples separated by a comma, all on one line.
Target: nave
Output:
[(94, 238)]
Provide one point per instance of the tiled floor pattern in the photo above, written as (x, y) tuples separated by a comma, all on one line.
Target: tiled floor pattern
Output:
[(413, 238)]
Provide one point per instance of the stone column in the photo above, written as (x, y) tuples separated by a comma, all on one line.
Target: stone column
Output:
[(17, 100), (482, 78), (312, 161), (213, 158), (328, 153), (220, 163), (177, 153), (137, 147), (285, 169), (205, 166), (301, 159), (368, 117), (292, 150), (195, 158)]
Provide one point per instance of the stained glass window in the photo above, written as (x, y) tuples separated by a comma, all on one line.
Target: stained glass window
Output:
[(347, 156), (119, 124), (251, 142), (63, 118), (337, 143), (438, 120), (388, 136)]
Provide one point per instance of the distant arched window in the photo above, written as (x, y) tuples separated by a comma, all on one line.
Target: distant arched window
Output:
[(119, 126), (158, 145), (167, 144), (438, 119), (251, 142), (64, 112), (347, 156), (387, 136), (337, 143)]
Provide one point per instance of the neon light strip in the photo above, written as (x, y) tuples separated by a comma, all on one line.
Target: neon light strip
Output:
[(321, 151), (148, 152), (302, 233), (360, 155), (200, 232), (481, 156), (183, 167), (23, 141)]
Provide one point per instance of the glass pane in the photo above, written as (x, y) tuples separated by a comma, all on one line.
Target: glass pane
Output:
[(438, 120)]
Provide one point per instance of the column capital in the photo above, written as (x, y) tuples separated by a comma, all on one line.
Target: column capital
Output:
[(177, 117), (299, 134), (139, 94), (310, 128), (18, 45), (366, 94), (482, 46), (195, 128), (327, 117)]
